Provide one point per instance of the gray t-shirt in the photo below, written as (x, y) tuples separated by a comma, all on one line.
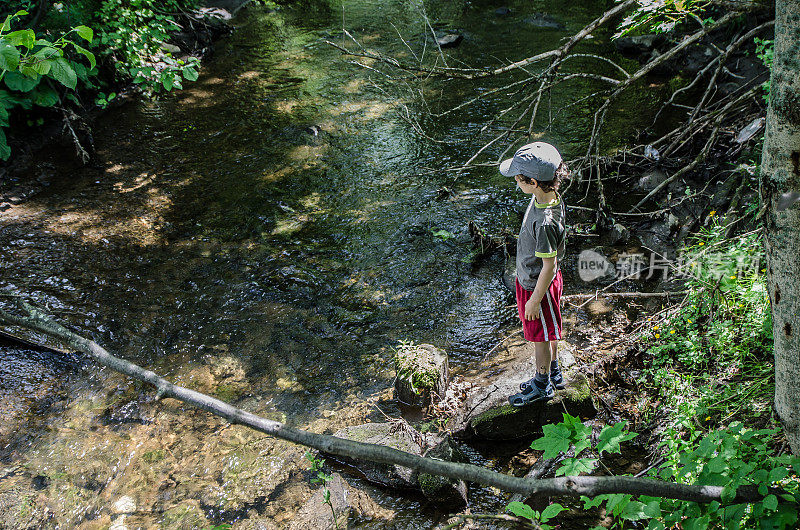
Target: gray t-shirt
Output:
[(543, 235)]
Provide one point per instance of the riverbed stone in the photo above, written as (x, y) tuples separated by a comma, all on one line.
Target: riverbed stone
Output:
[(450, 40), (543, 21), (422, 372), (486, 413), (444, 492), (397, 435), (316, 514)]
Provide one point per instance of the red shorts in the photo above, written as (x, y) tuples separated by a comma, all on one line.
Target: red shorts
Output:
[(548, 326)]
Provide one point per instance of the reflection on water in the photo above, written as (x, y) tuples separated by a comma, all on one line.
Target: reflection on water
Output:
[(265, 236)]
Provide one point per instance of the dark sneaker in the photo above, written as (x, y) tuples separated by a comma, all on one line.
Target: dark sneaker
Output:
[(557, 379), (532, 393)]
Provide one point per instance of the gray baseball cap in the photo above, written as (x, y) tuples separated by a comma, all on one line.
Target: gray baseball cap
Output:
[(538, 160)]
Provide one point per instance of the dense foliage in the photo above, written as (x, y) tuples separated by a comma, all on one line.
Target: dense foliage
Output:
[(43, 66)]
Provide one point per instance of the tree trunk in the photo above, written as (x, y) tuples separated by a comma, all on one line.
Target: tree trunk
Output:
[(780, 177)]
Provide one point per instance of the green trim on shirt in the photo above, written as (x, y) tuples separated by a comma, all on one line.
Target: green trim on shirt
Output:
[(545, 254), (554, 202)]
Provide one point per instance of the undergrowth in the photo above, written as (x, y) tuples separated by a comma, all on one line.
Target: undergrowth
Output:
[(710, 357)]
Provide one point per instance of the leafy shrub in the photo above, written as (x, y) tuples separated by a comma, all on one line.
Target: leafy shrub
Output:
[(31, 64), (132, 35), (712, 355), (729, 457)]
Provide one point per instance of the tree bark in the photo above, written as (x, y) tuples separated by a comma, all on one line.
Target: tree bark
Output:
[(561, 486), (780, 176)]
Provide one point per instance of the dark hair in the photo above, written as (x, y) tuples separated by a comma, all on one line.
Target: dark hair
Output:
[(551, 185)]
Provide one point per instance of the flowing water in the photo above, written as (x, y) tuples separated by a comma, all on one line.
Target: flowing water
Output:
[(265, 235)]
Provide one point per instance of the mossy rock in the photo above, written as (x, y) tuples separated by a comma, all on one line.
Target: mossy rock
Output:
[(488, 415), (185, 516), (444, 492), (422, 372), (398, 436)]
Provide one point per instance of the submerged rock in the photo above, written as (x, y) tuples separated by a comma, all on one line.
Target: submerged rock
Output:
[(451, 40), (639, 45), (487, 414), (543, 21), (422, 372), (316, 514)]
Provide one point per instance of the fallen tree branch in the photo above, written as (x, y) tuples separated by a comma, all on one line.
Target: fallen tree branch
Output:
[(561, 486)]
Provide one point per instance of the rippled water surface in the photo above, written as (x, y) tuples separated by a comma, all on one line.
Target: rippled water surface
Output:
[(264, 235)]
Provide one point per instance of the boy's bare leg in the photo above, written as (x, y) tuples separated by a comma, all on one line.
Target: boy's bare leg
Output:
[(553, 350), (543, 352)]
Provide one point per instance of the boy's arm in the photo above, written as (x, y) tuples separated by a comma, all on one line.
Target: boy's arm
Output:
[(542, 284)]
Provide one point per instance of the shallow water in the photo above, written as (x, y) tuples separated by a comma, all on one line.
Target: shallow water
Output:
[(229, 246)]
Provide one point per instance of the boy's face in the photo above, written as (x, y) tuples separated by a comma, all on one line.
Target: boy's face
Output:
[(525, 184)]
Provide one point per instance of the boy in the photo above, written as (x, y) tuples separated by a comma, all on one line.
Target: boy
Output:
[(537, 169)]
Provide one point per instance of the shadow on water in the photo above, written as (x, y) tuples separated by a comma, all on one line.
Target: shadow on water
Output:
[(265, 236)]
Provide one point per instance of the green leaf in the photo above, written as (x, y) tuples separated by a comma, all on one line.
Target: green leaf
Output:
[(575, 466), (770, 502), (778, 473), (652, 509), (42, 60), (728, 493), (550, 512), (44, 96), (22, 37), (85, 32), (61, 71), (17, 81), (167, 82), (86, 53), (634, 511), (520, 509), (556, 440), (5, 150), (9, 57), (3, 116), (190, 74), (611, 436)]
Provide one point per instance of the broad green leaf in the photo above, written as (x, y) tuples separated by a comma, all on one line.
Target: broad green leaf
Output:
[(778, 473), (652, 509), (634, 511), (61, 71), (44, 96), (3, 116), (575, 466), (5, 150), (86, 53), (22, 37), (521, 509), (17, 81), (556, 440), (611, 436), (85, 32), (190, 74), (550, 512), (167, 82), (9, 57), (770, 502), (728, 493), (42, 61)]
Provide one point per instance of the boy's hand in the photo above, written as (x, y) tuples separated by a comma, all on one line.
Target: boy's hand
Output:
[(531, 309)]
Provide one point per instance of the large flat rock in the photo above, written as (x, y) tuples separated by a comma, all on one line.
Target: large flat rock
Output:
[(486, 413)]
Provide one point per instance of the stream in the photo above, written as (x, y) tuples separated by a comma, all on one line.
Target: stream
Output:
[(266, 236)]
